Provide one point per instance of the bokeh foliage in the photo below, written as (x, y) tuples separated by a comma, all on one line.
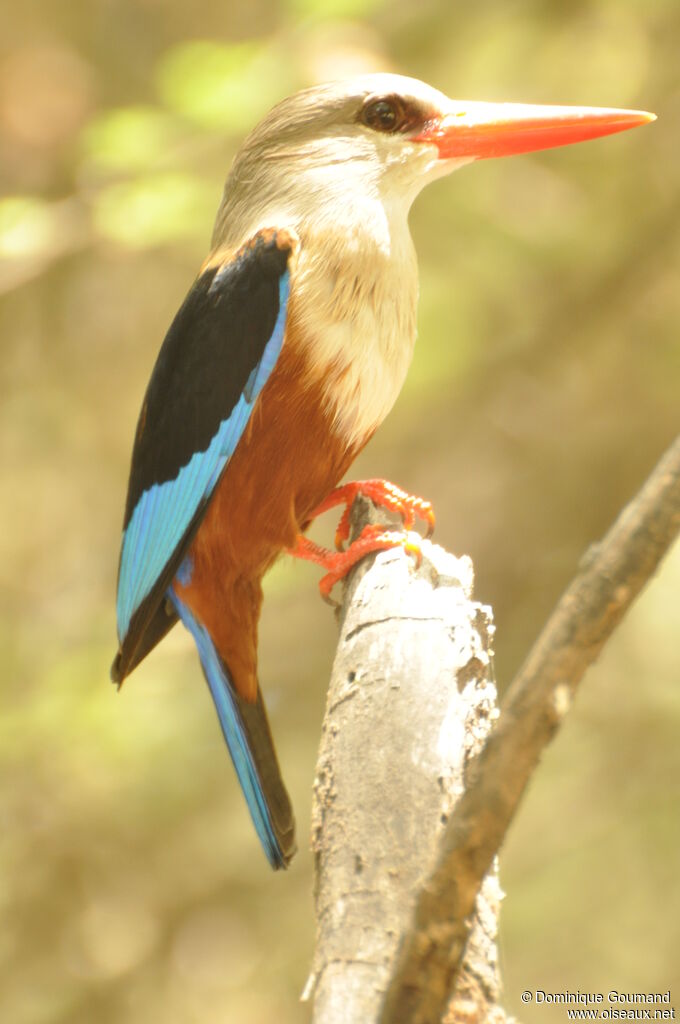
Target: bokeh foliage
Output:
[(546, 383)]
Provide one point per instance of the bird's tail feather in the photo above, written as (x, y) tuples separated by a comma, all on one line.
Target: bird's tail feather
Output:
[(246, 730)]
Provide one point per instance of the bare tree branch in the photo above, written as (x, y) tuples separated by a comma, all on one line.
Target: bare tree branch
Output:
[(410, 703), (612, 574)]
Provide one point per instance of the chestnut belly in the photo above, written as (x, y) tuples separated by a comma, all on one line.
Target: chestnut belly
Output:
[(287, 461)]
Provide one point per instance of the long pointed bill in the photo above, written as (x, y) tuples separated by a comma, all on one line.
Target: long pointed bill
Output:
[(481, 130)]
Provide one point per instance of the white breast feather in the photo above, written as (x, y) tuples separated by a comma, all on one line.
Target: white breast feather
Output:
[(355, 301)]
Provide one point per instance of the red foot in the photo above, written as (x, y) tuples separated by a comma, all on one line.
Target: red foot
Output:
[(382, 492), (338, 564)]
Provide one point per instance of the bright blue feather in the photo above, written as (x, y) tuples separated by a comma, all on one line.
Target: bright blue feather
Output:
[(233, 728), (164, 511)]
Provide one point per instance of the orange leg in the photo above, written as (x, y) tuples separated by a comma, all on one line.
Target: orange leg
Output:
[(339, 563), (382, 492)]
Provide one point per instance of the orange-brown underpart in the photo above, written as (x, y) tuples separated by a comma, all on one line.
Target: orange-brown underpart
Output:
[(287, 461)]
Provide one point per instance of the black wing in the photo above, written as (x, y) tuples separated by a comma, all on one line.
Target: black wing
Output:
[(216, 358)]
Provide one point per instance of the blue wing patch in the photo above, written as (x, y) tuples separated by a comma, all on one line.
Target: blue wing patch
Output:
[(164, 512)]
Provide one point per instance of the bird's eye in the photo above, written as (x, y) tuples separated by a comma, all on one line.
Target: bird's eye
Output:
[(385, 115)]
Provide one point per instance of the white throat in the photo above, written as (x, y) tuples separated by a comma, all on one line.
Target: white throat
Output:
[(355, 300)]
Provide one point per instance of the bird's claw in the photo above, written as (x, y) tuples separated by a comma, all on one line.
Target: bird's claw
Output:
[(338, 563), (409, 506), (372, 538)]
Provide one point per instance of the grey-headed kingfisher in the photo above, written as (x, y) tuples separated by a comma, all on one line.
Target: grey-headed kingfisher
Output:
[(286, 355)]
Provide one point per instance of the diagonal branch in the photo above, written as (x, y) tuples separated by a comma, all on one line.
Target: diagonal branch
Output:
[(612, 574)]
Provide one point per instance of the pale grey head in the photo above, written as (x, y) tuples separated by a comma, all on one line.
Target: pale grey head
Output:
[(324, 151)]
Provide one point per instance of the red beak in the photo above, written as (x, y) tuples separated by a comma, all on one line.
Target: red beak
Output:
[(480, 130)]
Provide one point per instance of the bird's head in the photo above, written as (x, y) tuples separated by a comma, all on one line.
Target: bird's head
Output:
[(384, 136)]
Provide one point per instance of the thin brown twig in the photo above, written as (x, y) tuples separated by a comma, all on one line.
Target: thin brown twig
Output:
[(612, 574)]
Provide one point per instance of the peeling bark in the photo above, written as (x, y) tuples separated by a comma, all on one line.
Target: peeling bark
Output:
[(411, 702)]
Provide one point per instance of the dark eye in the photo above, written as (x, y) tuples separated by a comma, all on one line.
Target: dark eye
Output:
[(385, 115)]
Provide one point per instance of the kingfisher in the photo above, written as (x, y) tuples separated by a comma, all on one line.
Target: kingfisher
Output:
[(286, 355)]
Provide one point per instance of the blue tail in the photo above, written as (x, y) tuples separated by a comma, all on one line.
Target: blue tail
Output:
[(250, 744)]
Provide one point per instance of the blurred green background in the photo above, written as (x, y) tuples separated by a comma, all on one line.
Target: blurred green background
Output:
[(545, 385)]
